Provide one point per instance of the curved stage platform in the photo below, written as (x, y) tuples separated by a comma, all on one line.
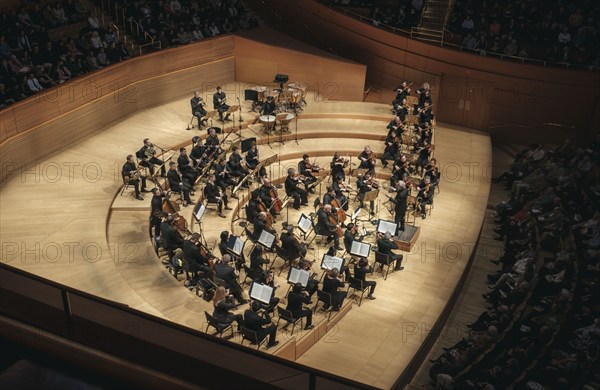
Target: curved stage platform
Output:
[(64, 219)]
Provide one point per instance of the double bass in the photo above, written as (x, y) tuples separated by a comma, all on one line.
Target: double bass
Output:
[(179, 222)]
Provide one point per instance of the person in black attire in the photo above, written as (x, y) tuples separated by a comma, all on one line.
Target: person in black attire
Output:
[(129, 169), (256, 263), (423, 158), (326, 227), (156, 212), (261, 224), (329, 195), (222, 178), (198, 109), (253, 321), (170, 238), (198, 153), (252, 160), (269, 108), (290, 244), (367, 160), (268, 278), (177, 184), (219, 104), (425, 195), (234, 165), (360, 272), (400, 205), (192, 254), (222, 303), (296, 298), (214, 195), (339, 188), (424, 94), (331, 283), (186, 167), (392, 149), (385, 246), (362, 183), (149, 162), (225, 272), (350, 235), (252, 207), (313, 284), (292, 189), (223, 249), (306, 169), (425, 113), (337, 166), (265, 195), (401, 93)]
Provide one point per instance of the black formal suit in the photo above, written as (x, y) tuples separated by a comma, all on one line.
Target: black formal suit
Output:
[(385, 246), (256, 267), (291, 246), (227, 274), (337, 169), (330, 286), (391, 152), (222, 314), (150, 162), (197, 110), (170, 237), (235, 166), (222, 178), (178, 185), (360, 273), (187, 172), (128, 168), (253, 321), (252, 211), (212, 193), (219, 105), (326, 228), (339, 194), (363, 188), (156, 213), (265, 195), (268, 108), (259, 226), (293, 189), (367, 164), (401, 94), (294, 305), (307, 173), (400, 206)]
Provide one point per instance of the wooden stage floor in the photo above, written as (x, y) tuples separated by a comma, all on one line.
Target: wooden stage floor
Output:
[(63, 219)]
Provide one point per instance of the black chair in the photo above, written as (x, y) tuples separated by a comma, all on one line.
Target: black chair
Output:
[(287, 259), (252, 337), (221, 328), (324, 297), (288, 317), (357, 285), (384, 261), (247, 274)]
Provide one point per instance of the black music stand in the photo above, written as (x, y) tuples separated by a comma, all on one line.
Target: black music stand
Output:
[(371, 196), (232, 110)]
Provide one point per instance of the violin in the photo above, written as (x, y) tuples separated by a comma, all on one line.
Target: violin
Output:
[(313, 166), (373, 184)]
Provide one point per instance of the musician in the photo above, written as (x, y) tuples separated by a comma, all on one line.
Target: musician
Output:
[(252, 206), (256, 263), (400, 205), (222, 178), (219, 99), (186, 167), (223, 248), (131, 175), (147, 159), (198, 110), (234, 165), (191, 253), (424, 94), (313, 284), (364, 185), (268, 278), (170, 238), (223, 302), (253, 321), (225, 272), (331, 283), (385, 244), (425, 136), (305, 168), (395, 126), (292, 189), (252, 159), (433, 171), (329, 196), (400, 109), (156, 212), (326, 227), (178, 184), (367, 160), (425, 113), (392, 149), (261, 223), (350, 235), (361, 268), (268, 194), (198, 153), (337, 166), (213, 194), (339, 186), (401, 93), (296, 298), (425, 195), (269, 107), (213, 143), (423, 159), (291, 245)]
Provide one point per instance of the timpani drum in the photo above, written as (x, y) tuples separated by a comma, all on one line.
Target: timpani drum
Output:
[(285, 119), (261, 92), (268, 121)]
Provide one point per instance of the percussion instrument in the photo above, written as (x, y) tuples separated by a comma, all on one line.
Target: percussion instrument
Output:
[(268, 122), (261, 92)]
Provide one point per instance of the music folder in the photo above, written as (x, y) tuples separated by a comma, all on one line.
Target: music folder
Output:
[(261, 292), (297, 275), (266, 239), (304, 224), (331, 262), (360, 249), (236, 245), (384, 226), (199, 210)]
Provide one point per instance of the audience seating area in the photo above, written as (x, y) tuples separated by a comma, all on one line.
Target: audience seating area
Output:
[(542, 326)]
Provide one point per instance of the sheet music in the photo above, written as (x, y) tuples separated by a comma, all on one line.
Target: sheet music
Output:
[(261, 292), (360, 249), (199, 212), (331, 262), (304, 224), (297, 275), (386, 226), (266, 239), (236, 245)]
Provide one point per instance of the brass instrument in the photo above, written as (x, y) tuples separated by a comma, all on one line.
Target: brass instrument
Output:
[(150, 151), (135, 175)]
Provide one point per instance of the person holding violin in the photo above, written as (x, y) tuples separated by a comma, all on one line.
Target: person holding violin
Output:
[(196, 256), (350, 235), (401, 93), (268, 278), (425, 195), (425, 113), (338, 164), (424, 94), (385, 244), (365, 184), (269, 196), (331, 283), (400, 109), (223, 302), (178, 184), (296, 298), (198, 110), (292, 247), (395, 126), (327, 225), (132, 175), (213, 194), (261, 325), (156, 211), (306, 169), (423, 158), (392, 149), (292, 189), (367, 160)]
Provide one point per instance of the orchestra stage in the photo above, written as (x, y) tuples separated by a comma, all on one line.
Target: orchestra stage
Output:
[(65, 219)]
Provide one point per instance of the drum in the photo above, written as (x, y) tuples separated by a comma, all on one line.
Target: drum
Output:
[(268, 121), (289, 117), (261, 92)]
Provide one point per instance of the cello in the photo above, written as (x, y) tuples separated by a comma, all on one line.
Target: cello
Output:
[(341, 214), (333, 220), (277, 204), (179, 222)]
